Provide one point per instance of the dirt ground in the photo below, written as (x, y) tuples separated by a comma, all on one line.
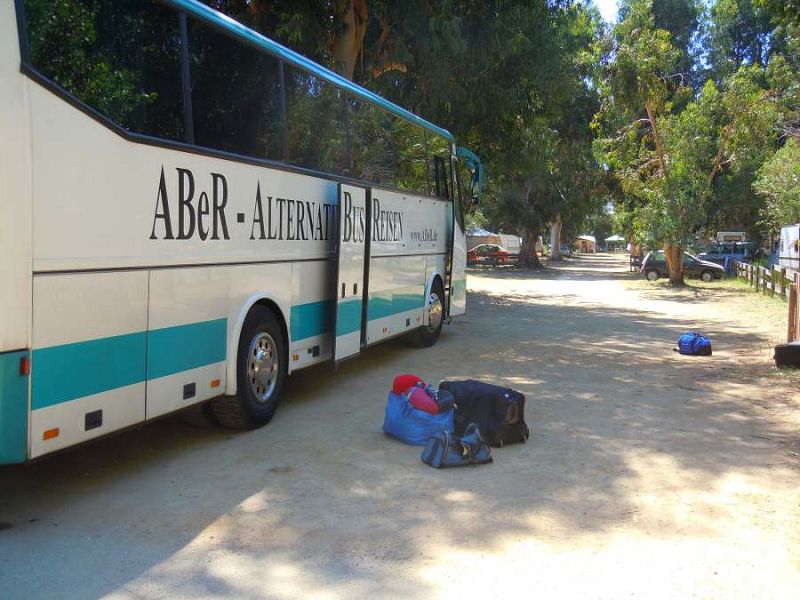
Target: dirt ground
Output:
[(648, 474)]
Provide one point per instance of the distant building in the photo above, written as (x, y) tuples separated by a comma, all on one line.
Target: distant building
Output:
[(586, 244)]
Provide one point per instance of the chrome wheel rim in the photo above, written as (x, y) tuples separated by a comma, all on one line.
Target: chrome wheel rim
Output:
[(706, 276), (652, 275), (262, 367), (435, 312)]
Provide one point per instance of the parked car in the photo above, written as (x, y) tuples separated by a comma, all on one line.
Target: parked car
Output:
[(489, 254), (565, 250), (654, 266)]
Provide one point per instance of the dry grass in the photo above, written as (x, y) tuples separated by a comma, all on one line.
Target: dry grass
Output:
[(731, 295)]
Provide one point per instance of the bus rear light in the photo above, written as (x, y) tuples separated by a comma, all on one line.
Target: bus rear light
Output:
[(215, 383), (51, 433), (24, 366)]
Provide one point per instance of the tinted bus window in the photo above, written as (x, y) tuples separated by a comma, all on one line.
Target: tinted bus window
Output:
[(411, 157), (120, 58), (317, 124), (373, 150), (439, 167), (236, 95)]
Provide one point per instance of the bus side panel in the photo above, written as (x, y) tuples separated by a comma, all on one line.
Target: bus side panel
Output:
[(102, 202), (89, 356), (312, 311), (15, 191), (13, 408), (396, 296), (408, 233), (186, 338)]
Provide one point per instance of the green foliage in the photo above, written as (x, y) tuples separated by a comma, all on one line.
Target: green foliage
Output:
[(688, 166), (66, 24), (738, 34), (778, 183)]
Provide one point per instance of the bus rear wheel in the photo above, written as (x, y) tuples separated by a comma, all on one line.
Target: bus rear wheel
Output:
[(260, 373), (434, 307)]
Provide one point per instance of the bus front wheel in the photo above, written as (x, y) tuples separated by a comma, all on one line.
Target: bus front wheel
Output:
[(260, 373), (434, 305)]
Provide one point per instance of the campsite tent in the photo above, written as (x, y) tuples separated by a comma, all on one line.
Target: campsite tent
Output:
[(615, 242)]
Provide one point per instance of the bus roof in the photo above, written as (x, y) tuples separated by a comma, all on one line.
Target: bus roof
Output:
[(236, 29)]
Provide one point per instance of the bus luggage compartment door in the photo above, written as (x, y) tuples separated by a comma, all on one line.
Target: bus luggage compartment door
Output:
[(352, 259)]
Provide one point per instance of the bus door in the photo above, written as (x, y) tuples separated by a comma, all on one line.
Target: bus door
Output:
[(352, 266), (457, 299)]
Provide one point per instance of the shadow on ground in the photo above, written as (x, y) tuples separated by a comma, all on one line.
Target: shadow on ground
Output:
[(320, 502)]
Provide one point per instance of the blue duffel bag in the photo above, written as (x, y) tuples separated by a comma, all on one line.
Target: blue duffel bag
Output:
[(694, 344), (411, 425)]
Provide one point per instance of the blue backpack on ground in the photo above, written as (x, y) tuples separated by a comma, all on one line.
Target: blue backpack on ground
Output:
[(694, 344), (411, 425)]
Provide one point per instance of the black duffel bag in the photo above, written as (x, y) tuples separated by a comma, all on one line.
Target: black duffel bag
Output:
[(498, 411)]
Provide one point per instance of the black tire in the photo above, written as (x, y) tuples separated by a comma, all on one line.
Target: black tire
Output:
[(258, 390), (651, 274), (426, 336), (707, 276), (787, 355)]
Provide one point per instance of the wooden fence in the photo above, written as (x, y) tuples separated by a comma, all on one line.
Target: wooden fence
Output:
[(777, 280)]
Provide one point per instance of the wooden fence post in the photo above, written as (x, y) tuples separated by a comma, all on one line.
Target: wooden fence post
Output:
[(752, 273), (792, 329), (772, 282), (783, 282)]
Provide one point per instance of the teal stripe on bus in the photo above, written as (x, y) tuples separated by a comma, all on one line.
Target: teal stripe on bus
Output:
[(175, 349), (348, 319), (310, 319), (382, 306), (13, 409), (70, 371)]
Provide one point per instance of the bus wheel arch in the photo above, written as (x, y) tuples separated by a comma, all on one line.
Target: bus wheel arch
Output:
[(433, 318), (260, 367), (434, 280), (236, 332)]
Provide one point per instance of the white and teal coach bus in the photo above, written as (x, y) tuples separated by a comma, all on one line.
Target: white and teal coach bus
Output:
[(190, 211)]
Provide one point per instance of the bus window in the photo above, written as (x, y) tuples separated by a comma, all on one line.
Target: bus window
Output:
[(316, 123), (120, 58), (439, 155), (411, 157), (441, 177), (236, 95), (373, 152)]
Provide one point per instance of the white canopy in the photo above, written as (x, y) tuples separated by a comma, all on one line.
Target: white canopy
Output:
[(615, 238), (479, 232)]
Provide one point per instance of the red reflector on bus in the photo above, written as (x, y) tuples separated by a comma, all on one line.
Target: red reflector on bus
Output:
[(215, 383), (24, 366), (50, 433)]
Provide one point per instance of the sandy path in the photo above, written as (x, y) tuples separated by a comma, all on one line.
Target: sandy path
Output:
[(648, 475)]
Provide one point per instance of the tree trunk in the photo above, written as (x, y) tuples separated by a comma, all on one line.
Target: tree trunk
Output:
[(555, 239), (674, 256), (350, 25), (636, 248), (527, 253)]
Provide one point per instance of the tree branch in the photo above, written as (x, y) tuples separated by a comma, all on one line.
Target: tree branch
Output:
[(656, 136)]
